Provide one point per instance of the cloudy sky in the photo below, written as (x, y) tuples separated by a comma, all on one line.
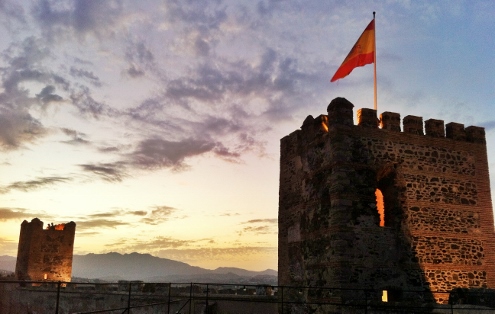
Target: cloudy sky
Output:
[(155, 125)]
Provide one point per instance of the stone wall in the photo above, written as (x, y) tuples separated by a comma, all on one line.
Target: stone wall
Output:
[(438, 232), (45, 254), (44, 299)]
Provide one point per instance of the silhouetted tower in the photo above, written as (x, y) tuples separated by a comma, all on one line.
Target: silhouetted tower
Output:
[(45, 254), (435, 227)]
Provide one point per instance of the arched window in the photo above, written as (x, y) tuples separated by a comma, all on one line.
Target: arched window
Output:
[(380, 207), (387, 202)]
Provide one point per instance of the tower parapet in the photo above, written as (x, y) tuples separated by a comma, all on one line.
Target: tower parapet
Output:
[(340, 112)]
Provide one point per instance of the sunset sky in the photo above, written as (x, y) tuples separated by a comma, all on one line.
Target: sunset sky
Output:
[(155, 125)]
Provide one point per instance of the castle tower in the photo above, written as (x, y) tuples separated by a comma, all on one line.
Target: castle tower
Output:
[(45, 254), (433, 229)]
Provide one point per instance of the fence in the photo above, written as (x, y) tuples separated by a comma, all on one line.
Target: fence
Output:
[(138, 297)]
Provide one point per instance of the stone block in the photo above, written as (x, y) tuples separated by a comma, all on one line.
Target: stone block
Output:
[(434, 128), (367, 118), (413, 124), (475, 134), (390, 121), (340, 112), (455, 131)]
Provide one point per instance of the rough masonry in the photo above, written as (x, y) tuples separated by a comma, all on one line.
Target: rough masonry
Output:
[(45, 254), (437, 230)]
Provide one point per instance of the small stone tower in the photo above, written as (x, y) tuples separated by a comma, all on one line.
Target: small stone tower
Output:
[(45, 254), (367, 206)]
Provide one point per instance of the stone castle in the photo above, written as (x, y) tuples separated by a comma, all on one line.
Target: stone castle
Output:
[(367, 206), (45, 254)]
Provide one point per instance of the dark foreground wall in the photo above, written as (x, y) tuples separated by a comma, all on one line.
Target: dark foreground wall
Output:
[(36, 300), (15, 299)]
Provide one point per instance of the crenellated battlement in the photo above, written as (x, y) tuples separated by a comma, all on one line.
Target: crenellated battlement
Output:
[(340, 113)]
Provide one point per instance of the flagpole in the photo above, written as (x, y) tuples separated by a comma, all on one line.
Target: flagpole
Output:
[(374, 74)]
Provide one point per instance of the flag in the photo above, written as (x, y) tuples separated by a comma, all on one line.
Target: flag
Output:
[(361, 54)]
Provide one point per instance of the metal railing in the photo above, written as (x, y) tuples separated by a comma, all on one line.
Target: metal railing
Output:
[(140, 297)]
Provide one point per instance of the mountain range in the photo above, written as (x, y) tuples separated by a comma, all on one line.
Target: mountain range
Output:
[(136, 266)]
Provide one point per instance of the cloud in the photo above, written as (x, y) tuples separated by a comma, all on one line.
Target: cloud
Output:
[(159, 215), (267, 226), (86, 75), (84, 101), (80, 17), (156, 153), (271, 221), (11, 12), (270, 77), (140, 58), (197, 12), (211, 254), (134, 72), (488, 125), (196, 113), (76, 137), (231, 131), (99, 223), (151, 244), (230, 214), (138, 213), (115, 213), (266, 8), (47, 96), (8, 246), (24, 59), (30, 185), (13, 213), (111, 172), (17, 128), (109, 149), (259, 230)]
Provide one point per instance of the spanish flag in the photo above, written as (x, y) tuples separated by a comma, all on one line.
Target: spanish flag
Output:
[(361, 54)]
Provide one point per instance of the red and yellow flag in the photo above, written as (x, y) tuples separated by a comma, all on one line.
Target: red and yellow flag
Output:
[(361, 54)]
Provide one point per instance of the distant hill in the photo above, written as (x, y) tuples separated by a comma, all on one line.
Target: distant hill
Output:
[(243, 272), (7, 263), (135, 266)]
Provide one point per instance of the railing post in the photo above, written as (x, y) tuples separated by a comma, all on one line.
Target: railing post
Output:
[(190, 297), (169, 291), (282, 296), (365, 301), (129, 298), (58, 297), (207, 310)]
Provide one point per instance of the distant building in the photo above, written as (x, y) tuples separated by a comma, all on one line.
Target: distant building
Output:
[(45, 254), (369, 207)]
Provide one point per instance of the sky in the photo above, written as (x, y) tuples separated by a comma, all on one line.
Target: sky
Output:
[(155, 125)]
